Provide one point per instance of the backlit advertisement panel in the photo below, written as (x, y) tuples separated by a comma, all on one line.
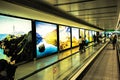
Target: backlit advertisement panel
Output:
[(64, 37), (82, 33), (75, 37), (86, 35), (15, 38), (46, 39), (90, 36)]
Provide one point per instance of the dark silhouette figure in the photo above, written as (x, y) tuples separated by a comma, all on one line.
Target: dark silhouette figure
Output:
[(3, 72), (94, 38), (84, 44), (81, 44), (97, 39), (7, 70), (114, 40)]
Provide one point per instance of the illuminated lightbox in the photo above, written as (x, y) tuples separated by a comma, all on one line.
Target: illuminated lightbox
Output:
[(64, 37), (87, 35), (90, 36), (46, 39), (82, 33), (75, 37), (15, 38)]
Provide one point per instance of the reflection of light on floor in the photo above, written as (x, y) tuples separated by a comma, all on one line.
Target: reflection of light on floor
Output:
[(64, 54), (43, 75), (91, 49), (65, 65), (56, 71), (47, 62), (86, 54), (75, 50), (76, 59)]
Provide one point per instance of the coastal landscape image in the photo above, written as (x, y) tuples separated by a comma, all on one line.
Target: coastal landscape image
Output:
[(15, 39)]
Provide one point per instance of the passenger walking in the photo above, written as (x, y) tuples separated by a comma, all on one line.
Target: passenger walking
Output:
[(114, 41), (80, 44), (111, 38), (94, 38), (98, 39), (84, 43)]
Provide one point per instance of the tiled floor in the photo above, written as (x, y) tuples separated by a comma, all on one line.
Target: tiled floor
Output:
[(58, 70), (105, 67)]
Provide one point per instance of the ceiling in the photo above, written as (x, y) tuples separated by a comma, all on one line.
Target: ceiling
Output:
[(101, 13)]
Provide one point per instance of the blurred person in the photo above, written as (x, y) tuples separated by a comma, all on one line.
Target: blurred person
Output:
[(94, 38), (80, 44), (114, 41), (111, 38), (84, 43), (3, 70), (7, 70)]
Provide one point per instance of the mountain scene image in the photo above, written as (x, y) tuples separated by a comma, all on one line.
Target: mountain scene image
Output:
[(75, 37), (64, 37), (46, 39), (15, 39)]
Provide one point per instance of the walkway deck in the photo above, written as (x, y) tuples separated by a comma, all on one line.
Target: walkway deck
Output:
[(105, 67)]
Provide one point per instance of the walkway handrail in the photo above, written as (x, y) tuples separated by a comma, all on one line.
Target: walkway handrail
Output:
[(75, 75)]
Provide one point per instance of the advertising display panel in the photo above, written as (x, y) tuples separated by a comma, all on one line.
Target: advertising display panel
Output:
[(93, 33), (75, 37), (64, 37), (82, 33), (87, 35), (90, 36), (15, 38), (46, 39)]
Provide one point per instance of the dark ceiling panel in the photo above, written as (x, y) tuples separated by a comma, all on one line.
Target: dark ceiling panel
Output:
[(103, 17), (94, 8), (76, 2), (98, 13)]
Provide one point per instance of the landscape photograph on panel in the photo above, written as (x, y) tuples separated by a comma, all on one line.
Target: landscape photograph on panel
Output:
[(64, 37), (75, 37), (46, 39), (82, 33), (15, 38)]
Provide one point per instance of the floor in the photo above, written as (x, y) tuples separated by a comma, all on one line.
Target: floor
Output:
[(105, 67), (55, 67)]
